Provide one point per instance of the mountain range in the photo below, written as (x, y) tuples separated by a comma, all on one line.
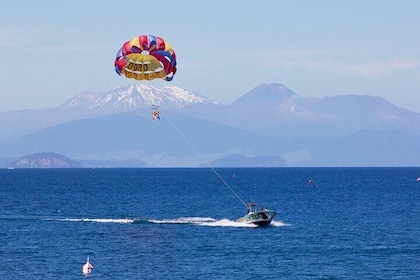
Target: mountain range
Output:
[(268, 126)]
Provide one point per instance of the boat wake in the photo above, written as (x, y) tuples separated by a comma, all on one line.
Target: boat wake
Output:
[(210, 222), (197, 221), (116, 221)]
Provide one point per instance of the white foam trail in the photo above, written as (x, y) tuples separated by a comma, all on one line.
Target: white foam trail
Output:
[(202, 222), (199, 221), (226, 223), (210, 222), (183, 220), (117, 221), (279, 224), (229, 223)]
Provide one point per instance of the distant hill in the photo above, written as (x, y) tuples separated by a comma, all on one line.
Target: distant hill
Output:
[(112, 163), (45, 160), (269, 122), (275, 110), (243, 161), (131, 136)]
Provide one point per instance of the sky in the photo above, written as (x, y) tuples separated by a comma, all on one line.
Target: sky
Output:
[(53, 50)]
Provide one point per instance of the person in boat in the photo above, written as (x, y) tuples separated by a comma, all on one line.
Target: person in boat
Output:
[(249, 209)]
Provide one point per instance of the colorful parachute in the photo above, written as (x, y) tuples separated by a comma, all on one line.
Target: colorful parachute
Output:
[(146, 57)]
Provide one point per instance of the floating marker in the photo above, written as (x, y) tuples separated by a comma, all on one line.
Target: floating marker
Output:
[(87, 268)]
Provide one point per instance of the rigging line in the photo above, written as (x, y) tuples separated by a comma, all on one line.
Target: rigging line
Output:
[(198, 153)]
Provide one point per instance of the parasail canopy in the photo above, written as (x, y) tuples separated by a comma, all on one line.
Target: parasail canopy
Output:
[(146, 57)]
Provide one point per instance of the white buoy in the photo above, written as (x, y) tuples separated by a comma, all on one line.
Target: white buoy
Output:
[(418, 179), (87, 268)]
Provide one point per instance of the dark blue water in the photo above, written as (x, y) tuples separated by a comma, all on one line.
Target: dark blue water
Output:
[(351, 223)]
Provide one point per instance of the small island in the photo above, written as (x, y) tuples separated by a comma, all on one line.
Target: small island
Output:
[(44, 160)]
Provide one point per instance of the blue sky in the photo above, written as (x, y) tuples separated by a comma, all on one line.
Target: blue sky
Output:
[(53, 50)]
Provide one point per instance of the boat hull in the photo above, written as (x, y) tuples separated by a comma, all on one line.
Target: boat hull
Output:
[(259, 218)]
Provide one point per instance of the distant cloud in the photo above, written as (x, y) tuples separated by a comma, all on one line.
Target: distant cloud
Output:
[(24, 37), (367, 64), (372, 68), (73, 48), (379, 68), (13, 36)]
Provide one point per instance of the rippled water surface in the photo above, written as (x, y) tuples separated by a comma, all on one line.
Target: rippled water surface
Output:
[(351, 223)]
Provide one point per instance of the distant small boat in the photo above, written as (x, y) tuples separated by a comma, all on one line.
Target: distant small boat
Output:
[(261, 217), (418, 179), (87, 268)]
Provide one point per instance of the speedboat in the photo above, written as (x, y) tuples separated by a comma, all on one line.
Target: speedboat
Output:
[(261, 217)]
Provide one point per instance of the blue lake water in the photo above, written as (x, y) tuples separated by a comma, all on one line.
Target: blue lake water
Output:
[(351, 223)]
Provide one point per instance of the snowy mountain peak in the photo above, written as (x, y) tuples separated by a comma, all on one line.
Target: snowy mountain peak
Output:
[(133, 97), (83, 98)]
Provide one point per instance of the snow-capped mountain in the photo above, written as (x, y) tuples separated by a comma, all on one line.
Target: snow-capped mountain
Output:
[(132, 97), (269, 120), (86, 105)]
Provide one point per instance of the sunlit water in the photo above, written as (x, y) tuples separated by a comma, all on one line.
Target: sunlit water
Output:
[(351, 223)]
